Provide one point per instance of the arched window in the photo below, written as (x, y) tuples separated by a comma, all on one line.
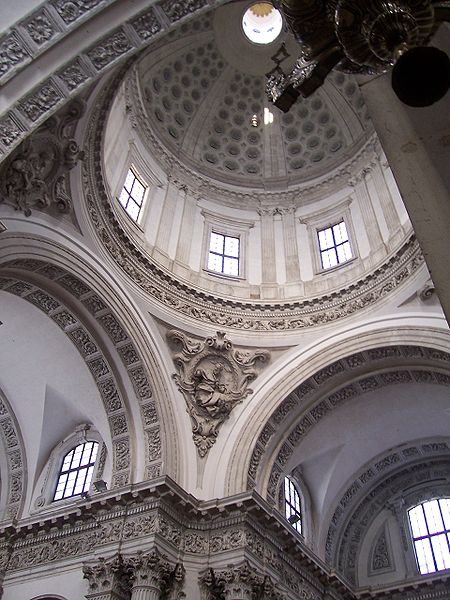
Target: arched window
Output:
[(292, 505), (76, 471), (430, 529)]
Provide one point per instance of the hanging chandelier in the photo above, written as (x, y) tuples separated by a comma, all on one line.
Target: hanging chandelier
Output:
[(364, 37)]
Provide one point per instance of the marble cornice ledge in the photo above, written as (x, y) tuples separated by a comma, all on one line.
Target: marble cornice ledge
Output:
[(244, 523)]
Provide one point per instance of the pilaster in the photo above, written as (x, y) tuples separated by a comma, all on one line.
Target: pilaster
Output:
[(290, 244), (365, 202)]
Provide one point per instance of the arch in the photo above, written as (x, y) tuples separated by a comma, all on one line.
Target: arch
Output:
[(20, 278), (14, 484), (394, 479), (330, 373)]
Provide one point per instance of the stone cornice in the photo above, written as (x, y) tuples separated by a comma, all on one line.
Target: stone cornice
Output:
[(183, 524)]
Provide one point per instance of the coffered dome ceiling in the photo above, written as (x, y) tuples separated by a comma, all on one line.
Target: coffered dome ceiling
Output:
[(204, 91)]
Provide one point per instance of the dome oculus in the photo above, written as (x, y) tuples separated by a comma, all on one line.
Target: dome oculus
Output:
[(262, 23)]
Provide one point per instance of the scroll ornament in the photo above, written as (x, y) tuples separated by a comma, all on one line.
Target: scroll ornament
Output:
[(213, 377)]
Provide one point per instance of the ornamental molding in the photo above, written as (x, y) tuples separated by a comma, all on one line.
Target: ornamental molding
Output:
[(242, 539), (14, 451), (218, 311), (36, 174), (213, 377), (96, 361), (166, 524), (375, 487), (327, 390), (50, 24)]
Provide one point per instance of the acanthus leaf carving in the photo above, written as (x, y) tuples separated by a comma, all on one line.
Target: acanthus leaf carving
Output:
[(213, 377), (108, 576)]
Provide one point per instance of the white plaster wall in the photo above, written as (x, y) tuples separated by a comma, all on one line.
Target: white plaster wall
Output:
[(66, 582)]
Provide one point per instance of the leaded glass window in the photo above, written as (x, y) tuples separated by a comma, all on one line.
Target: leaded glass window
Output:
[(430, 529), (76, 471), (224, 254), (334, 245), (132, 195), (292, 505)]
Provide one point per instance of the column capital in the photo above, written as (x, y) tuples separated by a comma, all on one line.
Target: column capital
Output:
[(109, 579), (148, 568)]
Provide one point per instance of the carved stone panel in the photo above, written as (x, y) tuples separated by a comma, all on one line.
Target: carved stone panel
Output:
[(213, 377)]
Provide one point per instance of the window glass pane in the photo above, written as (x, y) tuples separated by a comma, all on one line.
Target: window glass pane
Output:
[(433, 516), (123, 198), (81, 476), (94, 453), (445, 509), (441, 551), (215, 262), (340, 233), (67, 461), (231, 266), (424, 556), (329, 259), (133, 210), (326, 239), (428, 522), (231, 246), (76, 458), (88, 479), (417, 520), (129, 180), (79, 471), (216, 243), (138, 192), (343, 252), (132, 195), (86, 455), (334, 245), (292, 507)]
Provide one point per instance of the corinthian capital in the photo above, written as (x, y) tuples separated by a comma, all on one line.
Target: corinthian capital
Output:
[(109, 579)]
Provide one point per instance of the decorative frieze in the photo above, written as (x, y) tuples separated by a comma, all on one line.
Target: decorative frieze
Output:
[(213, 377)]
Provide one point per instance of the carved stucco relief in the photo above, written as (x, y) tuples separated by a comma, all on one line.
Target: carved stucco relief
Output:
[(36, 174), (213, 377)]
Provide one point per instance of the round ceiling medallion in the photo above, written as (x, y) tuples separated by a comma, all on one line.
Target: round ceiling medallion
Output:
[(262, 23)]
